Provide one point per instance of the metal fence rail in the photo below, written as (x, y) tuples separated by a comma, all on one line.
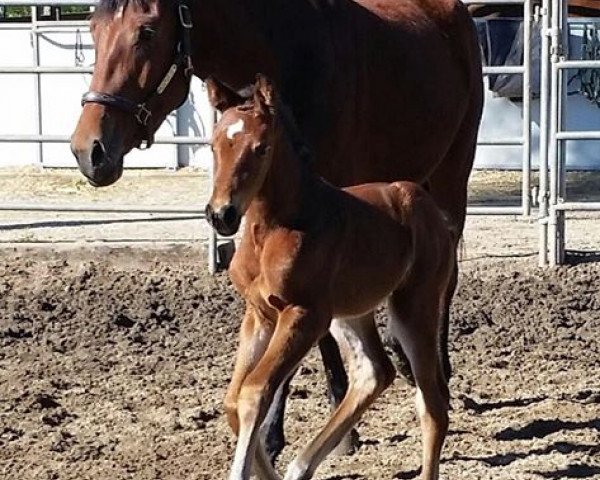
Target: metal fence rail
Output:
[(553, 134)]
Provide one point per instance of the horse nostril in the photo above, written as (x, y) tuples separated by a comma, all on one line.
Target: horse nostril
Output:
[(98, 156), (229, 215)]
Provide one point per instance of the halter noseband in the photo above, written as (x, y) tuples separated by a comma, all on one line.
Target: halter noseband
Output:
[(183, 58)]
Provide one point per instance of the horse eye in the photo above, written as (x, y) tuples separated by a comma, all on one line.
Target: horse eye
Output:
[(260, 150), (146, 33)]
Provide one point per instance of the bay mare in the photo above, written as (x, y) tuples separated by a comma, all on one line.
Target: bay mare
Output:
[(326, 259), (382, 90)]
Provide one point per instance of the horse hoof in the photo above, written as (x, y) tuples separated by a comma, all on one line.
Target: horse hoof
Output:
[(348, 445), (225, 252)]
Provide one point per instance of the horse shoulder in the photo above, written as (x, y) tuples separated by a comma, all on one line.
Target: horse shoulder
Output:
[(297, 268)]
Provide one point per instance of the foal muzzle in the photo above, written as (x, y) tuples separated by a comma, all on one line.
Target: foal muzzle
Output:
[(226, 221)]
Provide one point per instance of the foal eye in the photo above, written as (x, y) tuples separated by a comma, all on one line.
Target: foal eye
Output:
[(260, 150)]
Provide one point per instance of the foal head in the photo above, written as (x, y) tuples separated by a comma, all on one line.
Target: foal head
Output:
[(243, 149), (134, 85)]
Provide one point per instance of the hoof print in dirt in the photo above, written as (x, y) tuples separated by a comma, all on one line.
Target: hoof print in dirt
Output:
[(202, 417), (56, 418), (44, 401), (9, 434), (122, 320)]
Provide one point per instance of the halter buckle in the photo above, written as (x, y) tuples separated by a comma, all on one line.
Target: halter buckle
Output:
[(185, 16), (143, 115)]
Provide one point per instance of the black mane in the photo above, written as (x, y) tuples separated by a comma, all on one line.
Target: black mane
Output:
[(294, 135)]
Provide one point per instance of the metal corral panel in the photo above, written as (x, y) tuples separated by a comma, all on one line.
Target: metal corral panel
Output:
[(502, 119), (60, 102)]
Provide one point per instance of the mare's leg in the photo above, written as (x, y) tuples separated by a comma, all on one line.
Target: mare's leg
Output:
[(273, 422), (337, 385), (415, 320), (297, 330), (448, 186), (370, 373)]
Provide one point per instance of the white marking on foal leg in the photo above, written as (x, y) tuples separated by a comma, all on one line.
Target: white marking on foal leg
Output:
[(240, 470), (370, 372), (235, 128)]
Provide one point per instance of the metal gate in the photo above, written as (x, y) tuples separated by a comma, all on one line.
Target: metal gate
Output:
[(556, 65)]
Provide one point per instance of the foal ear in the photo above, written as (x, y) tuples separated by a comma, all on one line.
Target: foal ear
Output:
[(221, 97), (264, 92)]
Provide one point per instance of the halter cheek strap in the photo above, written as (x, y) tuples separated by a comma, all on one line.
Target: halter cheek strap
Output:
[(183, 59)]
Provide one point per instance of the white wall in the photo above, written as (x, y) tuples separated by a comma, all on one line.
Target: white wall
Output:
[(61, 94), (61, 107)]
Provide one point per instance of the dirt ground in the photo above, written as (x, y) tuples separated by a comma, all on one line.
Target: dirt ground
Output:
[(114, 362), (114, 359)]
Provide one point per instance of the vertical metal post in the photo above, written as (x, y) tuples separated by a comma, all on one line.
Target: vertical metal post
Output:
[(556, 218), (212, 236), (37, 84), (562, 125), (526, 180), (543, 155)]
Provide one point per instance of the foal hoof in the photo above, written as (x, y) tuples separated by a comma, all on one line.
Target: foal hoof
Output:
[(348, 445), (225, 252)]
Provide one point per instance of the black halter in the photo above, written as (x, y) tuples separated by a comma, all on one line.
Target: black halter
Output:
[(183, 59)]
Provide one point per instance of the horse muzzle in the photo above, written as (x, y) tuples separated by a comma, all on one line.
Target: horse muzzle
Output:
[(226, 220), (95, 163)]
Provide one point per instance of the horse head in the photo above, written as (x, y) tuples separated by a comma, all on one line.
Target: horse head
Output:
[(243, 148), (142, 72)]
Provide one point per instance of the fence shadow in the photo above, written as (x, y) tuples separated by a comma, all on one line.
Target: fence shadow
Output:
[(543, 428), (577, 257), (82, 223), (582, 470)]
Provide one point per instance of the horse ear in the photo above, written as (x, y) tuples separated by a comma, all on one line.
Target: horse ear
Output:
[(221, 97), (264, 92)]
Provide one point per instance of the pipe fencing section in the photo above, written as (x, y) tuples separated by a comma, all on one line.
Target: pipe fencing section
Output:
[(40, 138), (553, 134), (525, 140), (553, 252)]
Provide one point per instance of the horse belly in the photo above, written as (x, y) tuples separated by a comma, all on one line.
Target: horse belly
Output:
[(374, 266)]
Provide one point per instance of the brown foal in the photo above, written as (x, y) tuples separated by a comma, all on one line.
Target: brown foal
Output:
[(327, 258)]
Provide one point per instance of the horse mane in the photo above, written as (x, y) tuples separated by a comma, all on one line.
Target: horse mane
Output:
[(111, 6), (281, 112), (291, 130)]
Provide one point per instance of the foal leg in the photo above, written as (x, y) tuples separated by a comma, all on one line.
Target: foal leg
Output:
[(255, 334), (370, 372), (416, 320), (297, 330)]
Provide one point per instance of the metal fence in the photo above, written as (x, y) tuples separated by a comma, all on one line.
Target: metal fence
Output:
[(553, 135), (553, 222), (39, 137), (525, 140)]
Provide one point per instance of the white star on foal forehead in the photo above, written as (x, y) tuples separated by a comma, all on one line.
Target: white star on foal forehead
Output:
[(235, 128)]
